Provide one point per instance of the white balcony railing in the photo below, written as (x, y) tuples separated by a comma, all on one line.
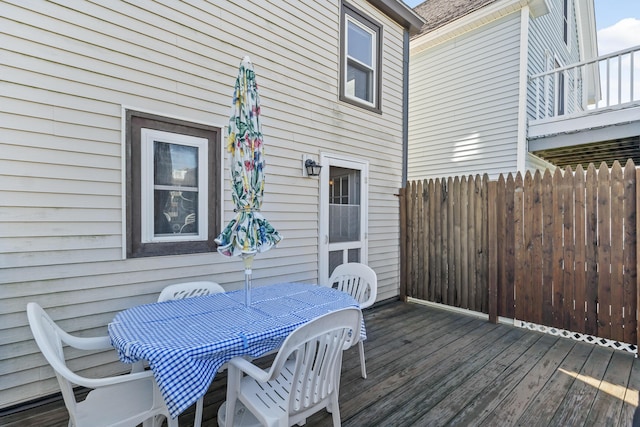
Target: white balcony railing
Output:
[(609, 81)]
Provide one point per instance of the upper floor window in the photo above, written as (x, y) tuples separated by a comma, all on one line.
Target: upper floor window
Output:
[(173, 195), (565, 21), (361, 54), (560, 92)]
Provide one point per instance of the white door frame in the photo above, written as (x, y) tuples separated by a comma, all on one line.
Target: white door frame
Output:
[(327, 160)]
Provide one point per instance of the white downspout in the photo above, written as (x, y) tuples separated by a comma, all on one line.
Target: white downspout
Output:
[(521, 153)]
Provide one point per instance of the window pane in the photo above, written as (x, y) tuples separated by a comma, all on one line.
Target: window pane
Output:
[(353, 255), (565, 18), (175, 212), (359, 82), (560, 91), (345, 190), (175, 164), (360, 43), (339, 190), (162, 212), (335, 259), (344, 205), (175, 189), (561, 94)]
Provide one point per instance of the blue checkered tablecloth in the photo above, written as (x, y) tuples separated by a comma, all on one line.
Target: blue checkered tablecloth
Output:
[(186, 341)]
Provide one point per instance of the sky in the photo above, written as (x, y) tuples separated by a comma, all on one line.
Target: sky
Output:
[(617, 23)]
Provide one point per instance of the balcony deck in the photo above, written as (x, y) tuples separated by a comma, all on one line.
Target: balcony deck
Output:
[(587, 112), (429, 367)]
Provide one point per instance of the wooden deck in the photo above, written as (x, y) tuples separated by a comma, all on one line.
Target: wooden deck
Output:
[(432, 367)]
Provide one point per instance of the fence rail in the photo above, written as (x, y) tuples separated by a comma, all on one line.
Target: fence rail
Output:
[(556, 249)]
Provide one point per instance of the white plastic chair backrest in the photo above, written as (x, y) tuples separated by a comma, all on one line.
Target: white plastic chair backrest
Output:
[(318, 347), (358, 280), (188, 290), (50, 339)]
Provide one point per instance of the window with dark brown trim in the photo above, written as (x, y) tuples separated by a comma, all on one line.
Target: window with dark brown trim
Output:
[(173, 186), (360, 59)]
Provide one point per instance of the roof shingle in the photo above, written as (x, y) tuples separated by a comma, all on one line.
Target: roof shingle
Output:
[(438, 13)]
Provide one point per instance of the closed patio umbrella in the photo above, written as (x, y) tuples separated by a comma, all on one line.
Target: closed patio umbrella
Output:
[(248, 232)]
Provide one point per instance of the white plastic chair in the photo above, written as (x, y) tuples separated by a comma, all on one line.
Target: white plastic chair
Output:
[(359, 281), (125, 400), (304, 377), (189, 290)]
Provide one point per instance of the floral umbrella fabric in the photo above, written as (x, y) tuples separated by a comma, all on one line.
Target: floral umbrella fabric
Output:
[(249, 232)]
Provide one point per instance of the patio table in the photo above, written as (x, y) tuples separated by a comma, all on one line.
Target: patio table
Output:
[(186, 341)]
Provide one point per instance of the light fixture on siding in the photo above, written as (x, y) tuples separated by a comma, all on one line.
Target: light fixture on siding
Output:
[(313, 169), (309, 166)]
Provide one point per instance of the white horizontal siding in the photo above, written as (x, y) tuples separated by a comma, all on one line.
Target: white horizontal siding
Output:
[(546, 41), (66, 72), (463, 103)]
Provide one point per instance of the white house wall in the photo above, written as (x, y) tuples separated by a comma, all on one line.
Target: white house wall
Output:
[(546, 43), (67, 71), (463, 103)]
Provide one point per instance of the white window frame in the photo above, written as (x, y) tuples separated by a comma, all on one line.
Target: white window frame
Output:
[(372, 68), (351, 15), (147, 185)]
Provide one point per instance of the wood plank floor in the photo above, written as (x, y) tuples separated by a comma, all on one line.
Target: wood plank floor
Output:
[(431, 367)]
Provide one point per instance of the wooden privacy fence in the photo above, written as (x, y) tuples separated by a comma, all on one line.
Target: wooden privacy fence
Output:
[(553, 249)]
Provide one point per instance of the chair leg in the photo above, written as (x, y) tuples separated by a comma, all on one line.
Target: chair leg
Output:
[(172, 422), (155, 421), (335, 411), (234, 375), (363, 367), (197, 421)]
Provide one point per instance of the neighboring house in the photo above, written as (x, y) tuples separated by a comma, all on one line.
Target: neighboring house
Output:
[(87, 88), (470, 99)]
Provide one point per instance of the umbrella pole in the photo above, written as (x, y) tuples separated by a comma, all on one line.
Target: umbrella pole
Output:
[(248, 260)]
